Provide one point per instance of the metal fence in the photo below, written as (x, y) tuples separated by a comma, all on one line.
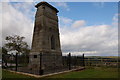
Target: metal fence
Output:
[(68, 62), (21, 64), (102, 62)]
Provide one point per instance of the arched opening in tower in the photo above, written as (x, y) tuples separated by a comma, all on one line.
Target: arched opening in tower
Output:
[(52, 42)]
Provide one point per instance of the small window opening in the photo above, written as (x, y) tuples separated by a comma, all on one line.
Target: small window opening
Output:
[(35, 56), (43, 7)]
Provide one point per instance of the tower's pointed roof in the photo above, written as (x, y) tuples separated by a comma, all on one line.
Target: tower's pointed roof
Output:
[(47, 4)]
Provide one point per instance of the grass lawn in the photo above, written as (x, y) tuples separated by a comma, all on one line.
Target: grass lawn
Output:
[(87, 73), (7, 74), (90, 73)]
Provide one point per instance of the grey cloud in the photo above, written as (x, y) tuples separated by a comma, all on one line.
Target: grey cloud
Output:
[(101, 38), (14, 22)]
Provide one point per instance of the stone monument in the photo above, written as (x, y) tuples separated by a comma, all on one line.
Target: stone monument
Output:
[(46, 50)]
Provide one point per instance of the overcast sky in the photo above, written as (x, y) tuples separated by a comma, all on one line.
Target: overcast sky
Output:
[(85, 27)]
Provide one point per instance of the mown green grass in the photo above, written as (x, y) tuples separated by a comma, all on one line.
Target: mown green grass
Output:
[(7, 74), (90, 73), (87, 73)]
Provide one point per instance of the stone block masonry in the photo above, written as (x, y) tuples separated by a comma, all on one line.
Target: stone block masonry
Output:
[(46, 50)]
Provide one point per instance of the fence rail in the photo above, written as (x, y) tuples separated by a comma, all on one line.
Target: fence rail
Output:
[(68, 62)]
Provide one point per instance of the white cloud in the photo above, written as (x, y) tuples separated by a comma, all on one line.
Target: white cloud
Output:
[(92, 40), (27, 8), (115, 20), (17, 0), (78, 23), (61, 0), (63, 5), (65, 21), (0, 23), (15, 22), (101, 38), (115, 17)]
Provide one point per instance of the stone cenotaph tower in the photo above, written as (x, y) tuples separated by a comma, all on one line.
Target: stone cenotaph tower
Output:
[(46, 52)]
